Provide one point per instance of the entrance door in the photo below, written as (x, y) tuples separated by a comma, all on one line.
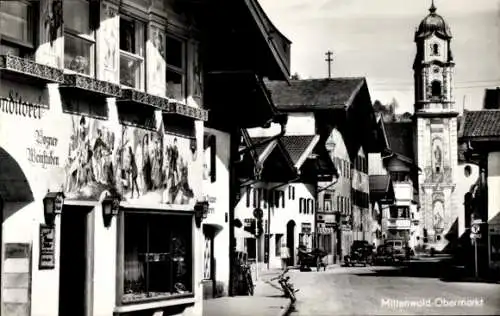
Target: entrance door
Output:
[(75, 262), (290, 241), (208, 259)]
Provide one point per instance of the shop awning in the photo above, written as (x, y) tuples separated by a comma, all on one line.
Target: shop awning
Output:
[(277, 44), (239, 95), (242, 36), (381, 188)]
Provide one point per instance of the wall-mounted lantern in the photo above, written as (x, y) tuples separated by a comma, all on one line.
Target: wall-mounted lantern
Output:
[(110, 207), (200, 212), (52, 206)]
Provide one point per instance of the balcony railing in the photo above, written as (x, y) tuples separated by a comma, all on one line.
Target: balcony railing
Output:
[(403, 190)]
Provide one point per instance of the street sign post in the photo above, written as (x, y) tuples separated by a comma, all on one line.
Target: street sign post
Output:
[(475, 229), (475, 235), (256, 250)]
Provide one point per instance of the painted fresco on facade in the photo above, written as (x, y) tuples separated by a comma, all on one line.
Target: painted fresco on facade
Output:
[(139, 164), (438, 217)]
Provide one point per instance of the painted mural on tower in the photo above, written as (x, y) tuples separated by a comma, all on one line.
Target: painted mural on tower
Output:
[(139, 164)]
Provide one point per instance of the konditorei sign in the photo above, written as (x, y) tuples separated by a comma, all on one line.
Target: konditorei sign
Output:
[(15, 105)]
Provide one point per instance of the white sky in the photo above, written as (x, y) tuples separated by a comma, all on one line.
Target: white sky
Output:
[(374, 39)]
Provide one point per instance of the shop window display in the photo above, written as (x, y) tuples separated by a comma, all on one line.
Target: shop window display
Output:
[(158, 262)]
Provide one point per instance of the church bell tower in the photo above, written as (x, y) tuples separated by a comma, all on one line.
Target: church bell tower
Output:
[(435, 129)]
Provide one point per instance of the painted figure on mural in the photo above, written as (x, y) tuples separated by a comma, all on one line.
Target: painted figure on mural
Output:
[(99, 148), (109, 57), (80, 171), (133, 172), (437, 156), (137, 164), (158, 44), (146, 164), (198, 81), (438, 218), (157, 162), (177, 188)]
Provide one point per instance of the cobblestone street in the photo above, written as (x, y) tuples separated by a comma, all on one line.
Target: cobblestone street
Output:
[(390, 291)]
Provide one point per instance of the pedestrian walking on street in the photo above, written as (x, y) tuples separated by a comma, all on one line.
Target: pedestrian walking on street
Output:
[(285, 255)]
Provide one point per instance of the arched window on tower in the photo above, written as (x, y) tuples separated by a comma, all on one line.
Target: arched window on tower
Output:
[(436, 89), (435, 49)]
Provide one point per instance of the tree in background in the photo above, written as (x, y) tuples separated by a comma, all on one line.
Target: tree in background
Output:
[(388, 111), (295, 76)]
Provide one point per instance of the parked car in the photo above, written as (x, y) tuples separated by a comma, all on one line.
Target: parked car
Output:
[(361, 253), (384, 254), (401, 250)]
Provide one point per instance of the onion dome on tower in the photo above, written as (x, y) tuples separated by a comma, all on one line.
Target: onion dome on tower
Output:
[(433, 23)]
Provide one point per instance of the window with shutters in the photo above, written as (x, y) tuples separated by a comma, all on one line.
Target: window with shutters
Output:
[(276, 199)]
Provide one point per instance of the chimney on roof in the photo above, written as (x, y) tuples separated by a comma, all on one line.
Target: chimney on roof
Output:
[(492, 99)]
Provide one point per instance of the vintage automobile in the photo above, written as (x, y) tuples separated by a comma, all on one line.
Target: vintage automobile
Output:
[(308, 259), (401, 250), (393, 251), (384, 255), (361, 253)]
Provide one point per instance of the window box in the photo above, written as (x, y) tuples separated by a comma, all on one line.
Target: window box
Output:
[(89, 85), (25, 69), (131, 96), (157, 257), (176, 108)]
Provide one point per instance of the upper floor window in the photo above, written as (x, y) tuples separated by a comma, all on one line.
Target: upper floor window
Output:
[(327, 202), (132, 41), (176, 68), (434, 49), (79, 37), (17, 28), (436, 88)]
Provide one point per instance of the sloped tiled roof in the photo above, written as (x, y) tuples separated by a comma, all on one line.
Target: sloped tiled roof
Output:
[(379, 183), (259, 149), (314, 93), (484, 123), (400, 137), (324, 163), (381, 186), (296, 145)]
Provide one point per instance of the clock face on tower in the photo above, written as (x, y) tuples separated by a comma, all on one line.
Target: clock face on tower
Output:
[(435, 70)]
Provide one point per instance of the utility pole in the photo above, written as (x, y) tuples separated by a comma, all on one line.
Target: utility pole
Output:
[(329, 60)]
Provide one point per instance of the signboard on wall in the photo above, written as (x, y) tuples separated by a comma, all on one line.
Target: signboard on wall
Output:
[(47, 258), (16, 276), (306, 228)]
